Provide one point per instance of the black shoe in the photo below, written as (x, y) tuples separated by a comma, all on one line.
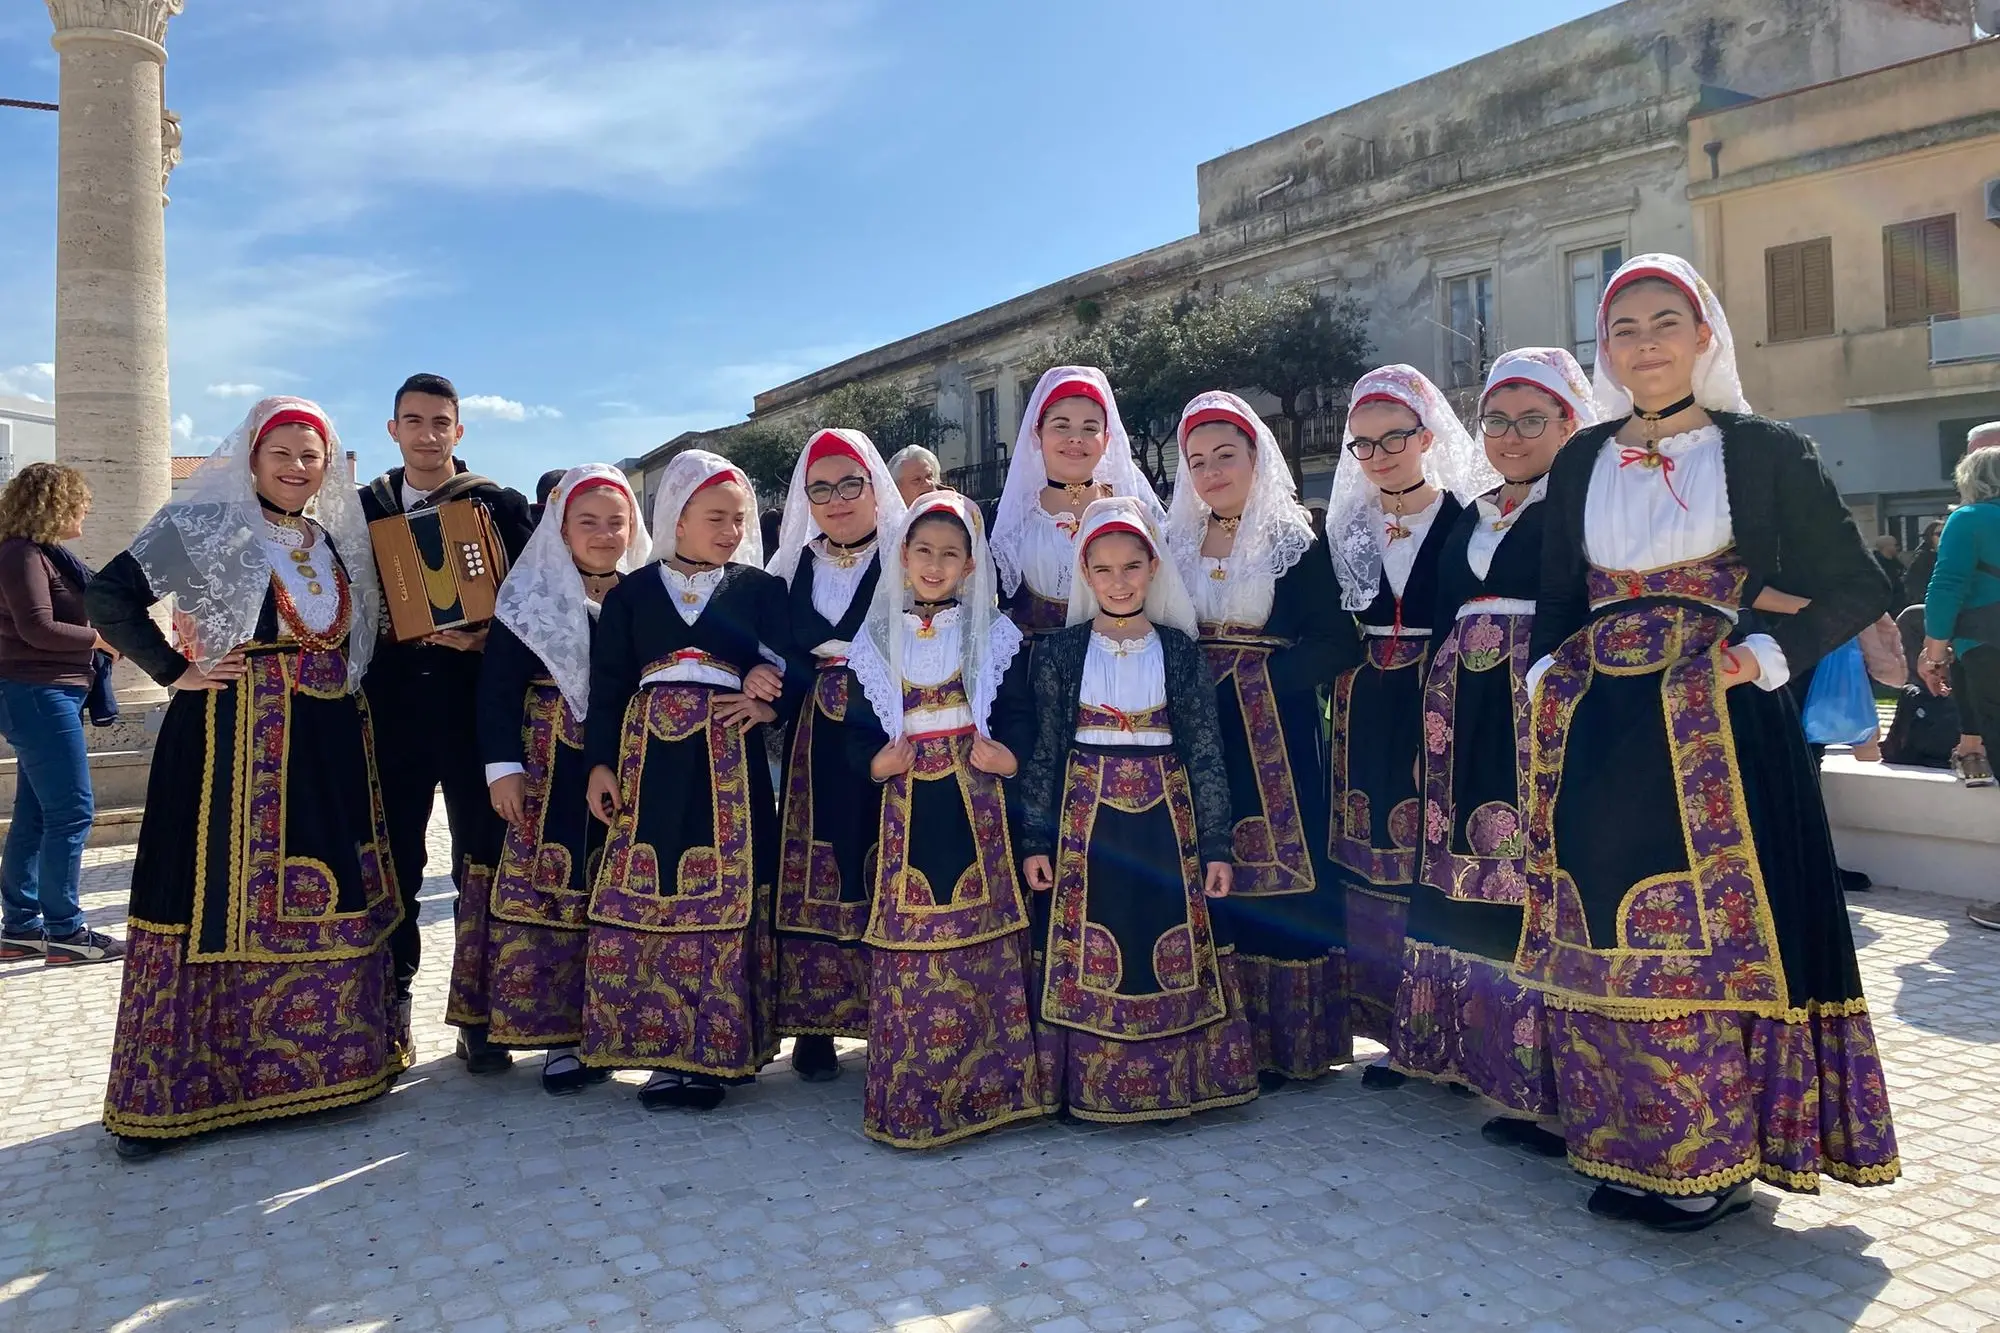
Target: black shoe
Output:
[(138, 1150), (1853, 881), (1511, 1133), (1984, 914), (1610, 1201), (1660, 1215), (18, 944), (479, 1057), (1270, 1080), (682, 1093), (814, 1059), (570, 1076), (1382, 1078), (85, 946)]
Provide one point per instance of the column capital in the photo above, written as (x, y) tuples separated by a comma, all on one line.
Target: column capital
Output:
[(144, 19)]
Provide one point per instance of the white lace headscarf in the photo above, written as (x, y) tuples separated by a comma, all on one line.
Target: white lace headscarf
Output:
[(1028, 473), (1455, 462), (799, 527), (1167, 600), (1552, 370), (1275, 530), (543, 600), (1717, 385), (988, 640), (687, 473), (205, 546)]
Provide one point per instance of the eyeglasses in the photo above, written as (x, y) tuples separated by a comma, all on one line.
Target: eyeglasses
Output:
[(1394, 442), (847, 488), (1529, 427)]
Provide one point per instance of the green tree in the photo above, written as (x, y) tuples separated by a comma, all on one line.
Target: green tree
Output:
[(765, 453), (1297, 344), (893, 416)]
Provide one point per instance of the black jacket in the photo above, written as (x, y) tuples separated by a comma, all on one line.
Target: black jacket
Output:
[(1058, 686), (1305, 610), (810, 628), (1516, 571), (640, 625), (1792, 531)]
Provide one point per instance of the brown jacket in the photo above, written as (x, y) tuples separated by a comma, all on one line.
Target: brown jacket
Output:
[(45, 634)]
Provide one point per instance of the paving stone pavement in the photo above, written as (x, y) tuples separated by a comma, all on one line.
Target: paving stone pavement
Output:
[(481, 1205)]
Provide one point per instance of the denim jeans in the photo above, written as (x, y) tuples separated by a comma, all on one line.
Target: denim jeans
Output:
[(53, 807)]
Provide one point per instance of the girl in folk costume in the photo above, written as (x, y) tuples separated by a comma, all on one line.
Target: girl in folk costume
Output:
[(1459, 1017), (842, 510), (1071, 449), (950, 1049), (1126, 803), (1407, 469), (517, 970), (258, 981), (680, 972), (1273, 633), (1684, 919)]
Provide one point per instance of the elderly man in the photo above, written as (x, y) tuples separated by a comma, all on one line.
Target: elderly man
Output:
[(917, 472)]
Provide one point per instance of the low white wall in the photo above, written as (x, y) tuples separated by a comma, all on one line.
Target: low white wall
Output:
[(1914, 828)]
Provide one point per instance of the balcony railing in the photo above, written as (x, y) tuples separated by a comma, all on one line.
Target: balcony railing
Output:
[(981, 481), (1971, 335), (1319, 431)]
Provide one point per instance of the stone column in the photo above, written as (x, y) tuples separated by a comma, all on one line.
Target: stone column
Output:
[(117, 143), (112, 417)]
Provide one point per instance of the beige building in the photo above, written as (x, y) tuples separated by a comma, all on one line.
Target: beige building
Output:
[(1472, 211), (1852, 230)]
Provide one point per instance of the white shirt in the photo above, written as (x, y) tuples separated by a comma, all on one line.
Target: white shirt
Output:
[(316, 609), (1048, 553), (834, 588), (1220, 599), (1128, 675), (1494, 526), (1399, 557), (691, 591), (932, 655), (1632, 520), (412, 497)]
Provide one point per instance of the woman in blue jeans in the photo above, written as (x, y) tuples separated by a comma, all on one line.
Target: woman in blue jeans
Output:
[(47, 652)]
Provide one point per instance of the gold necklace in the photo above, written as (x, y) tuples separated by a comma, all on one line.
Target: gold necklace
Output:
[(1228, 525)]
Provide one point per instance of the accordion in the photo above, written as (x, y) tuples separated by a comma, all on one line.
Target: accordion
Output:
[(441, 568)]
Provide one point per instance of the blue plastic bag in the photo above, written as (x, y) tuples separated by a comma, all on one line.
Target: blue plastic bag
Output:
[(1840, 706)]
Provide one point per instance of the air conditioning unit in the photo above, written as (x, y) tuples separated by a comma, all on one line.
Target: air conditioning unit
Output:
[(1993, 195)]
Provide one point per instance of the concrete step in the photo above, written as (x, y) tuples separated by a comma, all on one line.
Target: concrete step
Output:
[(115, 826), (117, 777), (1914, 828)]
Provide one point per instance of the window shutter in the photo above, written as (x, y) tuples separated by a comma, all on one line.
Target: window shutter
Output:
[(1784, 292), (1902, 287), (1816, 288), (1940, 265)]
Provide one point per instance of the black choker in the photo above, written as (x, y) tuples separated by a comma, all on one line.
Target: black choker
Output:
[(700, 566), (1421, 483), (1672, 409), (833, 545), (933, 608), (277, 509)]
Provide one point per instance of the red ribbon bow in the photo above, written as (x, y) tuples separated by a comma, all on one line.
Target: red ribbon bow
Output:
[(1652, 457)]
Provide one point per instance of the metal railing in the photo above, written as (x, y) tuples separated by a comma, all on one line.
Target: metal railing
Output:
[(981, 481), (1319, 431), (1970, 335)]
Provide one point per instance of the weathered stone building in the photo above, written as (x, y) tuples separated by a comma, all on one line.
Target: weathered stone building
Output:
[(1478, 209)]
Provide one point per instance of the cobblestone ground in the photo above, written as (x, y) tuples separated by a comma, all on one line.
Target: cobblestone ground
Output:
[(477, 1205)]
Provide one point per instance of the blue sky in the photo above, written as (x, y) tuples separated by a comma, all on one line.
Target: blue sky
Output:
[(612, 221)]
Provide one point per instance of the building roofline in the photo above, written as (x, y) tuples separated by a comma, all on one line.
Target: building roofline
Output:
[(1706, 112)]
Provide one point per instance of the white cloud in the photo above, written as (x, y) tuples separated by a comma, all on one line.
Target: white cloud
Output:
[(184, 427), (492, 407), (235, 390), (624, 113), (36, 380)]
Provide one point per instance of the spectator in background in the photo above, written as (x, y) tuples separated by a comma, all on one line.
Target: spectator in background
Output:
[(1918, 576), (1888, 554), (544, 488), (1962, 623), (917, 472), (1316, 511), (47, 652)]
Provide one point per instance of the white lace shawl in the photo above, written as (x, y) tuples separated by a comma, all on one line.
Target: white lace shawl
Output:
[(1275, 529), (1167, 600), (989, 640), (684, 475), (543, 600), (798, 528), (205, 546), (1454, 462), (1552, 370), (1717, 385), (1027, 473)]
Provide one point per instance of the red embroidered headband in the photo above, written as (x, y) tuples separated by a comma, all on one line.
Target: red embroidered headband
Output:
[(1074, 389), (828, 444), (292, 416), (1210, 415), (1562, 403)]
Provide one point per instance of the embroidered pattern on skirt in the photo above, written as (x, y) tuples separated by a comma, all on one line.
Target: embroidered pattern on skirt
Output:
[(1351, 844), (1271, 853), (1493, 871), (1461, 1018), (1301, 1022)]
